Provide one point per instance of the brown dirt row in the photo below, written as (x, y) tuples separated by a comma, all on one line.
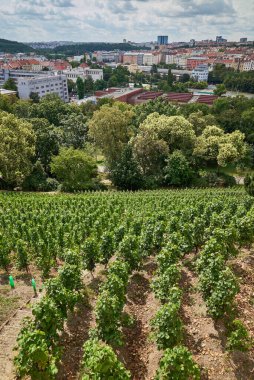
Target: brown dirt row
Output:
[(139, 353), (77, 327), (206, 339)]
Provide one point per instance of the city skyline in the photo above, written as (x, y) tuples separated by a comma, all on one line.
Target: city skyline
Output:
[(136, 20)]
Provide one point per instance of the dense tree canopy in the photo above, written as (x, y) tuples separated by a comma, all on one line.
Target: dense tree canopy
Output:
[(17, 148), (111, 128)]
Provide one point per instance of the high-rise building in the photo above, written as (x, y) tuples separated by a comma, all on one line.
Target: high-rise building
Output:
[(220, 40), (162, 40), (243, 40)]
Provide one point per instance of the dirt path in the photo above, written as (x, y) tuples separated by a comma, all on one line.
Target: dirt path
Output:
[(8, 339), (139, 353), (77, 327)]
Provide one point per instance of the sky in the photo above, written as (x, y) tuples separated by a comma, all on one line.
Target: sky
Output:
[(135, 20)]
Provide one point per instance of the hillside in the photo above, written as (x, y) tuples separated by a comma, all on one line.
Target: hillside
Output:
[(8, 46), (80, 48)]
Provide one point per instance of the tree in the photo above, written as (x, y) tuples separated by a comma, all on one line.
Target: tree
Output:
[(34, 96), (73, 130), (184, 78), (176, 131), (80, 88), (10, 85), (220, 90), (200, 121), (17, 148), (75, 169), (219, 148), (71, 85), (126, 174), (88, 85), (47, 141), (150, 152), (100, 84), (110, 128), (177, 171), (170, 77), (51, 107)]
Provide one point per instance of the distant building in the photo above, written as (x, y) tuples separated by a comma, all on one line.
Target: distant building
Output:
[(192, 43), (193, 62), (95, 74), (43, 85), (200, 73), (133, 59), (162, 40), (243, 40), (220, 40)]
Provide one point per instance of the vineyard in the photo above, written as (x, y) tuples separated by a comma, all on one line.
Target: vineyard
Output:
[(147, 285)]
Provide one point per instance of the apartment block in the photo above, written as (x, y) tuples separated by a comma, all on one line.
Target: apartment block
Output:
[(44, 85)]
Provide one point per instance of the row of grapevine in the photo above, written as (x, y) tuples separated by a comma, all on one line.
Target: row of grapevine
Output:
[(38, 340), (217, 281), (167, 327)]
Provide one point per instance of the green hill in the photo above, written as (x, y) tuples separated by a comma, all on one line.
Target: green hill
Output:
[(7, 46), (80, 48)]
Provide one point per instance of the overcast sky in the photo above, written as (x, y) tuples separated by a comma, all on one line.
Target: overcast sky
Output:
[(135, 20)]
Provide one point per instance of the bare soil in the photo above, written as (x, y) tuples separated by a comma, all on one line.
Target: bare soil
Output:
[(206, 339), (139, 353), (77, 327)]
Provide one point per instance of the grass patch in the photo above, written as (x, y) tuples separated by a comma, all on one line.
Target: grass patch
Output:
[(8, 304)]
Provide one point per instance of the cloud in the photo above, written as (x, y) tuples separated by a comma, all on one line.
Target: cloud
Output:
[(136, 20)]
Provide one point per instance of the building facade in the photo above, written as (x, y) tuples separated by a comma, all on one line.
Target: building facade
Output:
[(43, 85), (95, 74), (162, 40), (200, 73)]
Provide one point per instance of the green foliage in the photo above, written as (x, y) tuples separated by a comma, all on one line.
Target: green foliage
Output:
[(73, 130), (164, 282), (36, 358), (126, 174), (110, 129), (238, 338), (74, 169), (101, 363), (177, 171), (167, 326), (80, 88), (10, 85), (177, 364), (249, 184), (220, 89), (17, 147)]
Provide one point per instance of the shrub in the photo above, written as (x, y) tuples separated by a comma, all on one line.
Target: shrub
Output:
[(177, 364), (164, 281), (101, 363), (238, 338), (167, 326)]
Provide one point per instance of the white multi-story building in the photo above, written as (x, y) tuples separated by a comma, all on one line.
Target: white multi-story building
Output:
[(200, 73), (247, 65), (84, 73), (43, 85)]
